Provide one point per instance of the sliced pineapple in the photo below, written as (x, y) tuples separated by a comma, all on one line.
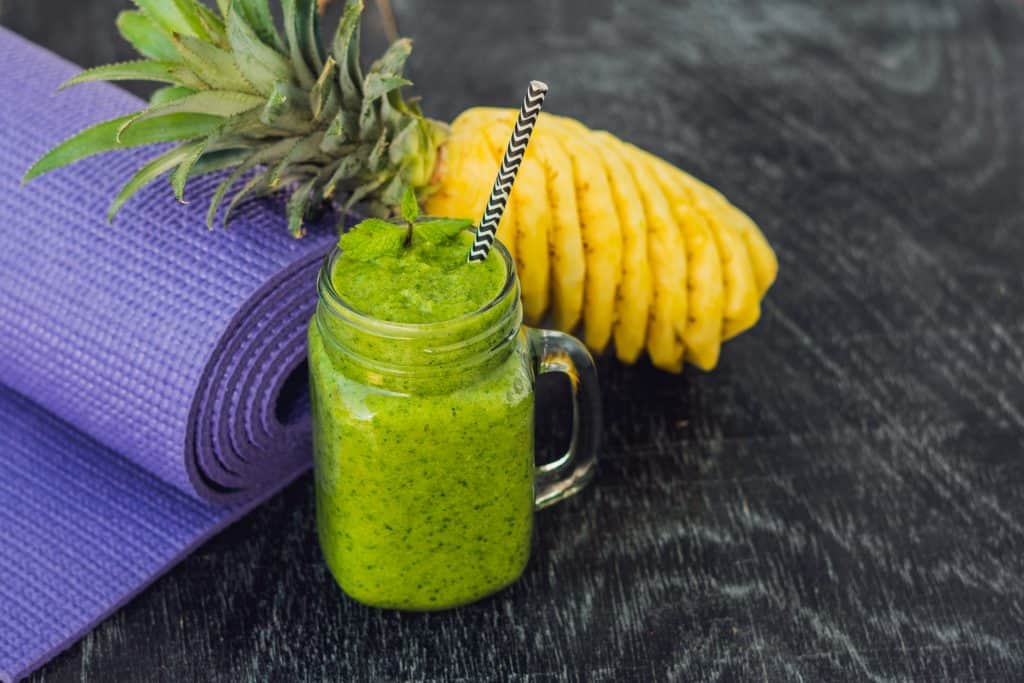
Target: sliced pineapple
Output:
[(667, 257), (568, 266), (742, 297), (533, 220), (763, 262), (633, 300), (703, 330), (467, 162), (600, 228), (742, 302), (762, 256)]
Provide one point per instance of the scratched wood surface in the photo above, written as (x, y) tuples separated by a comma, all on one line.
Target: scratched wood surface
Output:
[(842, 499)]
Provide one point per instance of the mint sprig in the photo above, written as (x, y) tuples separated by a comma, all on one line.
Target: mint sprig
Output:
[(375, 237), (410, 212), (441, 229), (371, 239)]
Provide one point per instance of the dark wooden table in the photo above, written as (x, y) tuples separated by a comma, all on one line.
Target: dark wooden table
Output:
[(842, 499)]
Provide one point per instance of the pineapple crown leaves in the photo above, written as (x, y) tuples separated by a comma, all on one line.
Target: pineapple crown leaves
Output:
[(275, 108)]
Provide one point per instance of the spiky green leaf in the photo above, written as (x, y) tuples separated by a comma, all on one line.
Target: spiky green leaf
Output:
[(167, 15), (103, 138), (342, 132), (369, 121), (243, 129), (214, 66), (391, 194), (257, 186), (392, 62), (146, 36), (364, 190), (346, 50), (189, 12), (305, 151), (184, 170), (298, 206), (257, 15), (296, 17), (214, 25), (378, 153), (253, 187), (325, 97), (348, 168), (218, 161), (264, 155), (224, 137), (261, 64), (137, 70), (377, 86), (211, 102), (287, 107), (150, 172), (169, 94)]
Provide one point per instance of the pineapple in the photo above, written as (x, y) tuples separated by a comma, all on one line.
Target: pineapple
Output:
[(605, 235)]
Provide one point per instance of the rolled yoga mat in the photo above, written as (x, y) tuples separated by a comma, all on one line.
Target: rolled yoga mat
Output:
[(151, 371)]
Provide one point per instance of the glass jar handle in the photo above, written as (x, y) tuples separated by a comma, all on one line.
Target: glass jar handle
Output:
[(557, 352)]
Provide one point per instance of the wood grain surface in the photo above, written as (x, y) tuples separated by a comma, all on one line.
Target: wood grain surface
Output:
[(842, 499)]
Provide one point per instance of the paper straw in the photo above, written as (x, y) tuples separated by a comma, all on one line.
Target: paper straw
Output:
[(507, 173)]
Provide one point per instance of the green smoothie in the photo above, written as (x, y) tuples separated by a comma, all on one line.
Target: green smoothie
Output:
[(423, 430)]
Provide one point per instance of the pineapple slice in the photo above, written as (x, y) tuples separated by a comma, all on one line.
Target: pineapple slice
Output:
[(565, 240), (633, 299), (703, 331), (533, 220), (668, 263)]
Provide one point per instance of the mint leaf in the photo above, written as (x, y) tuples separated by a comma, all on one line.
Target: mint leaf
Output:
[(410, 207), (441, 230), (372, 238), (371, 226)]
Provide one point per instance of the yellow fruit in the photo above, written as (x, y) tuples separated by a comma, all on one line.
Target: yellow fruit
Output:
[(762, 257), (667, 258), (633, 301), (742, 306), (533, 218), (606, 234), (703, 332), (565, 241), (585, 239), (601, 234), (742, 302), (469, 168)]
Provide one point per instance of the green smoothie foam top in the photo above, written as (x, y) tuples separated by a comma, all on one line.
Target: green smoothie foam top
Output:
[(389, 272)]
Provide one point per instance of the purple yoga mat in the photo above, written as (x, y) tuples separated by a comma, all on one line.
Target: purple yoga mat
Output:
[(145, 399)]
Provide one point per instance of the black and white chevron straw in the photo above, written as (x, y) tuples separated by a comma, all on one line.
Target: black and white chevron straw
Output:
[(532, 103)]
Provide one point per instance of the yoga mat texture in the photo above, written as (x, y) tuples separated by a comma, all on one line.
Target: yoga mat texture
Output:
[(144, 366)]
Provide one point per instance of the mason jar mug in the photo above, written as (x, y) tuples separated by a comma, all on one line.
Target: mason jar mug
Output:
[(426, 482)]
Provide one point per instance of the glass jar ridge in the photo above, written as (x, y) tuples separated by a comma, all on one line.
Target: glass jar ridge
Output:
[(405, 356)]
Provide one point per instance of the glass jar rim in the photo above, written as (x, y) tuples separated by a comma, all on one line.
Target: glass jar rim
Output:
[(329, 295)]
